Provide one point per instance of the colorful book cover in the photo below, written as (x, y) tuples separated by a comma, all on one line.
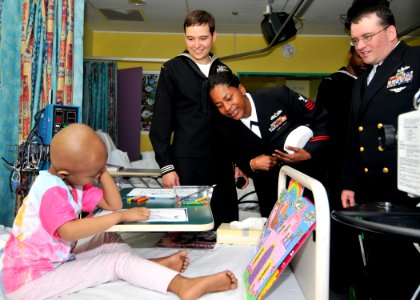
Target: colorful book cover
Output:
[(289, 224)]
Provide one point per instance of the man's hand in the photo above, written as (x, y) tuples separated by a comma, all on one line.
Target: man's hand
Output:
[(169, 180), (347, 198)]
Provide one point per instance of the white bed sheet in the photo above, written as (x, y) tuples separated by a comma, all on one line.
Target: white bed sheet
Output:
[(202, 262)]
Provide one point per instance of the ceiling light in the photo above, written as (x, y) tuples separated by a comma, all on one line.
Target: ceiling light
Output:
[(137, 2)]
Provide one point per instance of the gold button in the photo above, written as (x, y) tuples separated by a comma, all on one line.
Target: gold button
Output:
[(362, 149), (366, 170), (380, 125), (360, 128), (380, 148), (385, 170)]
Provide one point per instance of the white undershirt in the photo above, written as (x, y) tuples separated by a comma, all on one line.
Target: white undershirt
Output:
[(205, 68), (373, 71), (253, 117)]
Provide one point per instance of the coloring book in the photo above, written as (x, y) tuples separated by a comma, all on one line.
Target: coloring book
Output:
[(289, 224)]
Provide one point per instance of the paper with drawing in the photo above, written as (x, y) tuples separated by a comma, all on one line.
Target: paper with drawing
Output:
[(159, 214)]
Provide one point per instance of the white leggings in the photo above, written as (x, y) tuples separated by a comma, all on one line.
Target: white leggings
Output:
[(102, 259)]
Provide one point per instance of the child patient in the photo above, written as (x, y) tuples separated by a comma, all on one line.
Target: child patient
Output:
[(41, 259)]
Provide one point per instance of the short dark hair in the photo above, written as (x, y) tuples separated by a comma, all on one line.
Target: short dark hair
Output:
[(385, 15), (200, 17), (225, 78)]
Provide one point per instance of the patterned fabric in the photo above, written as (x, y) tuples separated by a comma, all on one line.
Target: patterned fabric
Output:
[(10, 36), (41, 31), (100, 96), (79, 8), (34, 246), (47, 57)]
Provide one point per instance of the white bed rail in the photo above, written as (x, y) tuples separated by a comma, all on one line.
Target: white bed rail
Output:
[(312, 262)]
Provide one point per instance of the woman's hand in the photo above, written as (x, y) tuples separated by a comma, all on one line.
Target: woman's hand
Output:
[(238, 174), (263, 162), (299, 155)]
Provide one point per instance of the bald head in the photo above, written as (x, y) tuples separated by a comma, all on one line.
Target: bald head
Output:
[(76, 147)]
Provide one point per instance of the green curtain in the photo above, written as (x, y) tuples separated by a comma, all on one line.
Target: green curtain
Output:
[(100, 96)]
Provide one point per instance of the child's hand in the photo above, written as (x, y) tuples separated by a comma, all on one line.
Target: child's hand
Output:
[(135, 214), (101, 172)]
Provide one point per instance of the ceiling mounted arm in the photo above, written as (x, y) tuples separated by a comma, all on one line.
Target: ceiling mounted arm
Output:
[(408, 30), (273, 42)]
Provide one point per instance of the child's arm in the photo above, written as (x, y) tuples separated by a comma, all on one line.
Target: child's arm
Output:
[(82, 228), (112, 198)]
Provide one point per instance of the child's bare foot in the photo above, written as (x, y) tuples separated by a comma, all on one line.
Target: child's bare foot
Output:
[(193, 288), (178, 261)]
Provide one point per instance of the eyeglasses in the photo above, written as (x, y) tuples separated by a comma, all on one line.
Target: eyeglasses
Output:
[(366, 38)]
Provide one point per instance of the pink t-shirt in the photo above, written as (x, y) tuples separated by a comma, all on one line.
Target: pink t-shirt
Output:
[(34, 246)]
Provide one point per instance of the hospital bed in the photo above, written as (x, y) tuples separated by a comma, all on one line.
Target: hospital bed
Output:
[(306, 279)]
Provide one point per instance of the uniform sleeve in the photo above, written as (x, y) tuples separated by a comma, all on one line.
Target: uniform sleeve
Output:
[(351, 159), (313, 116), (324, 93), (162, 120)]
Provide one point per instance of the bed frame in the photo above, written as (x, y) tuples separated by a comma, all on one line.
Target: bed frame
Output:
[(312, 262)]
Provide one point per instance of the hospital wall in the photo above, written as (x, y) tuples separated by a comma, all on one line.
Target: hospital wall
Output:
[(315, 55)]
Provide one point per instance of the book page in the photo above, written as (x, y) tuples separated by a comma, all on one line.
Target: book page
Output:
[(168, 215), (158, 215)]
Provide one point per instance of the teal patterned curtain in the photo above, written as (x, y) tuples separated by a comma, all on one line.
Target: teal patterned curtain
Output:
[(10, 37), (46, 38), (100, 96)]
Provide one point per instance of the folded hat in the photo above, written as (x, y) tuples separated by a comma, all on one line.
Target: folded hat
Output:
[(298, 138)]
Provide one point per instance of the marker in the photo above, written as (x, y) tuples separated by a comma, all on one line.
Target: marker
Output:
[(137, 199), (186, 198), (188, 203), (198, 201), (201, 199), (141, 199)]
